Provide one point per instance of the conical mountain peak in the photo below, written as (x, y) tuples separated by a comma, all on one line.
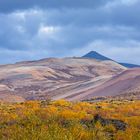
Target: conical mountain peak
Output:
[(95, 55)]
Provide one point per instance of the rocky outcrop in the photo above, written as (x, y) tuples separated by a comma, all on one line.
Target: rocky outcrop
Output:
[(118, 124)]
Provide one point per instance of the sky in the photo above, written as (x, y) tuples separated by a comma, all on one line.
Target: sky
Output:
[(35, 29)]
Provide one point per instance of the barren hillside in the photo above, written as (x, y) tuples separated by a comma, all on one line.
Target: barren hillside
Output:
[(55, 78)]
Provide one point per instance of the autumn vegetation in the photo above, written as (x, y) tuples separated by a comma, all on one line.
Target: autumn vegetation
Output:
[(63, 120)]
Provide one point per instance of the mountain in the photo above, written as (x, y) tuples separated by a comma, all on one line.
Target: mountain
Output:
[(130, 65), (68, 78), (54, 78), (98, 56), (126, 85), (95, 55)]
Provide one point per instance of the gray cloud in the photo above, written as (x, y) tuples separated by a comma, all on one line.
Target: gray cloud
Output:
[(12, 5), (69, 29)]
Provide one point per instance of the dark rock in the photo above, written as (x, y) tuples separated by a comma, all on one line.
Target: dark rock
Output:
[(118, 124), (98, 107)]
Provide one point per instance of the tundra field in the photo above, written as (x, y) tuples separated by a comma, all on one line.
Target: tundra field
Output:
[(63, 120)]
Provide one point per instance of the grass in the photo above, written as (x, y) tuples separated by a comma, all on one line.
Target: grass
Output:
[(63, 120)]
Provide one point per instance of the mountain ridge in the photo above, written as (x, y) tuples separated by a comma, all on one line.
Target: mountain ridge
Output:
[(54, 78), (98, 56), (72, 78)]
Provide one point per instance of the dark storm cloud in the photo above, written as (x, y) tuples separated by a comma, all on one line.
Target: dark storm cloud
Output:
[(12, 5), (117, 15), (69, 28)]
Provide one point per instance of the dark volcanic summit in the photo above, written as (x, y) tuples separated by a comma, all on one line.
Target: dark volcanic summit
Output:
[(95, 55), (98, 56)]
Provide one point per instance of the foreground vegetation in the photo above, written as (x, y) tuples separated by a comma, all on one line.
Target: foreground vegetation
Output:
[(62, 120)]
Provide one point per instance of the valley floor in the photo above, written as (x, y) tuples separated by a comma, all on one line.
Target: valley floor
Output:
[(63, 120)]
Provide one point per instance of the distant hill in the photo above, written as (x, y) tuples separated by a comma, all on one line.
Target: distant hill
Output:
[(95, 55), (129, 65), (98, 56)]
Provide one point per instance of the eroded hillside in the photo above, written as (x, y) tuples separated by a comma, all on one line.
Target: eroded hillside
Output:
[(54, 78)]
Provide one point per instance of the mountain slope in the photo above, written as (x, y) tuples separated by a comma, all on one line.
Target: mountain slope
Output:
[(98, 56), (122, 84), (55, 78)]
